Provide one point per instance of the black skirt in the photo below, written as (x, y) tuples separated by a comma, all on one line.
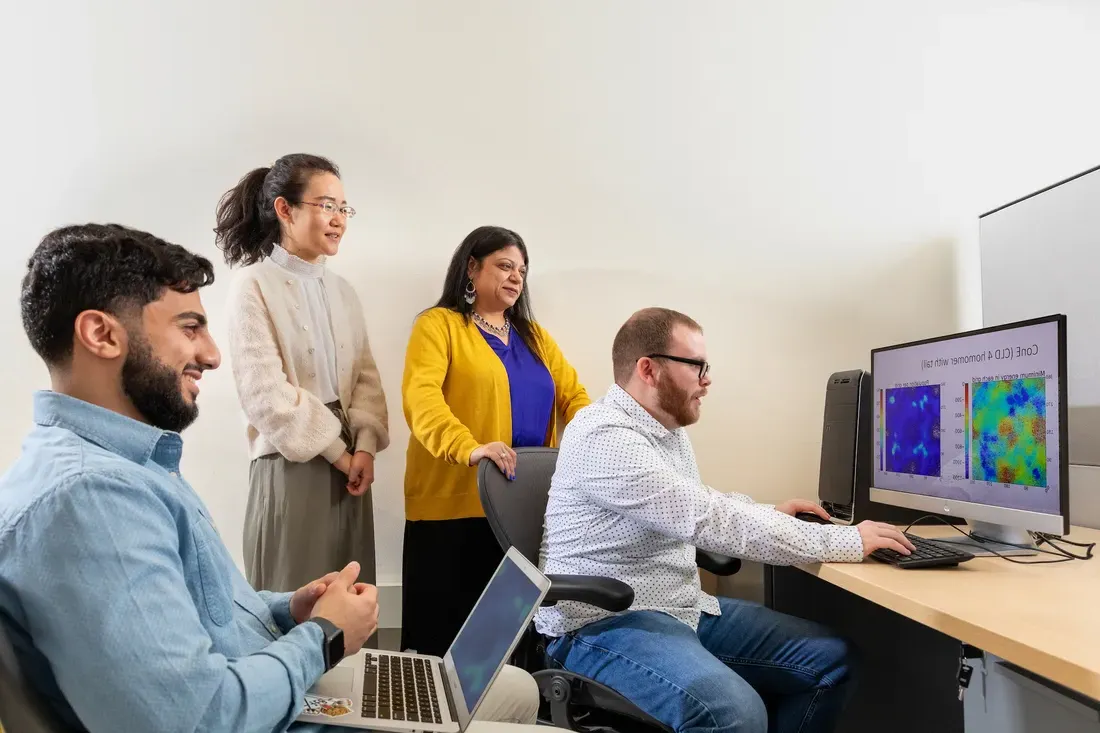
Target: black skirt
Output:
[(445, 567)]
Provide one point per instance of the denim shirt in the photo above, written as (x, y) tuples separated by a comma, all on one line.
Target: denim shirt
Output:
[(125, 609)]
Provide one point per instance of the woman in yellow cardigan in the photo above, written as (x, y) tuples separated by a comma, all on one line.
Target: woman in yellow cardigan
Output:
[(481, 377)]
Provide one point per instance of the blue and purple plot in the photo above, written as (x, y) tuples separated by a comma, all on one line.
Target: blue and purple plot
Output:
[(913, 430)]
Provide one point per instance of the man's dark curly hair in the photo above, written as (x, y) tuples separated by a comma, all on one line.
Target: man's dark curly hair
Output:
[(105, 267)]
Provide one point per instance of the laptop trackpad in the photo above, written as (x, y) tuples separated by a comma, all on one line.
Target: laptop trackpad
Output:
[(337, 683)]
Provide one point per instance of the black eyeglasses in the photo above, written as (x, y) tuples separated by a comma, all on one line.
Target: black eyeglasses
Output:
[(704, 367)]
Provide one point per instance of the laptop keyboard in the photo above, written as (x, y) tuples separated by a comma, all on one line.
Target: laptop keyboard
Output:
[(399, 688)]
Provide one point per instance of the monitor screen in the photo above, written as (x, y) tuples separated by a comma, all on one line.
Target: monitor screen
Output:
[(498, 618), (973, 417)]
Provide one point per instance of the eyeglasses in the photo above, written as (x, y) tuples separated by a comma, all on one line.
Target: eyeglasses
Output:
[(332, 209), (704, 367)]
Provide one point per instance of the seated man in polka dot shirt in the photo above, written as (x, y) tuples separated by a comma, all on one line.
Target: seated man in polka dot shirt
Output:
[(627, 502)]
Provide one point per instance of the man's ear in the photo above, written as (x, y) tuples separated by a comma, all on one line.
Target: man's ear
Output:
[(100, 334), (646, 369)]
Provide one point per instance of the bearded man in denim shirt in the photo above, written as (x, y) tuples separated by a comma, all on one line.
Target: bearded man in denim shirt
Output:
[(123, 605)]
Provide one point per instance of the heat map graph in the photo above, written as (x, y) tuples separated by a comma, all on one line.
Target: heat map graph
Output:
[(1009, 431), (912, 430)]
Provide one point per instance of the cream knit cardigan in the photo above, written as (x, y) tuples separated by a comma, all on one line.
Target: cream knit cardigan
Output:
[(270, 348)]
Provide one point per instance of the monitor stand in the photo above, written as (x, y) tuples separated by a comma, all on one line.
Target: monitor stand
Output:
[(993, 539)]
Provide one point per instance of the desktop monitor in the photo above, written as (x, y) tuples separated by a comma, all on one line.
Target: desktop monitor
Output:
[(974, 425)]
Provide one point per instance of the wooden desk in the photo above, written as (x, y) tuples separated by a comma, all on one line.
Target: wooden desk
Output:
[(1044, 618)]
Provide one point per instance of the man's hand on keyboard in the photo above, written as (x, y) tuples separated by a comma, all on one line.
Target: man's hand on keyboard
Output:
[(879, 535)]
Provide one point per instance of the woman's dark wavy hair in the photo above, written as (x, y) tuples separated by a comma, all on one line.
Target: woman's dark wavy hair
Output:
[(479, 244), (247, 227)]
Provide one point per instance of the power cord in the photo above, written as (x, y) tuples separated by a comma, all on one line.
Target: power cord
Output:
[(1054, 541), (1060, 553)]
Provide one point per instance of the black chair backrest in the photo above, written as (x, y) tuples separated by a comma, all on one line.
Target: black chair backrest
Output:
[(22, 709), (516, 509)]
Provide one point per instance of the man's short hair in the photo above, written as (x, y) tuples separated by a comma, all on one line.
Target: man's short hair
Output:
[(648, 331), (105, 267)]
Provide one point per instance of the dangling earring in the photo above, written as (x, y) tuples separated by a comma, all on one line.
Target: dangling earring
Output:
[(471, 294)]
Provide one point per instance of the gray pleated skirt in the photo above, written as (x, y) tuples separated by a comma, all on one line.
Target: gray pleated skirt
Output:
[(302, 523)]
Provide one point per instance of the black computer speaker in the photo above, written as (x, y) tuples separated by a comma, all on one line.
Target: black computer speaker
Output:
[(847, 454)]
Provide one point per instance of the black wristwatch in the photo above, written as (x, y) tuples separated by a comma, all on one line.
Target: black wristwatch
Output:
[(333, 644)]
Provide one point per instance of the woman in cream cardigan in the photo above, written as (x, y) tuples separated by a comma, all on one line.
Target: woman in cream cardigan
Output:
[(304, 373), (481, 378)]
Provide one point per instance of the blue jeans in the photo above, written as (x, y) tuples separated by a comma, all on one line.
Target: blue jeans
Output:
[(750, 670)]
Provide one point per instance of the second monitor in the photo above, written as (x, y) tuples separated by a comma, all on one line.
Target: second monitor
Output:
[(973, 425)]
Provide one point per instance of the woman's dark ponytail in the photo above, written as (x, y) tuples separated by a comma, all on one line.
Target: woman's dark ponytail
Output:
[(245, 231), (247, 227)]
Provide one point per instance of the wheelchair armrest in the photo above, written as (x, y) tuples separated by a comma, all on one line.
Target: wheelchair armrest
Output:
[(718, 564), (606, 593)]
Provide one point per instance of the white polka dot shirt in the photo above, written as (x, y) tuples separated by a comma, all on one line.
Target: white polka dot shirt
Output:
[(627, 502)]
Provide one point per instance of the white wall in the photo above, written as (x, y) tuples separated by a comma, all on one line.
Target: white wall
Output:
[(802, 177)]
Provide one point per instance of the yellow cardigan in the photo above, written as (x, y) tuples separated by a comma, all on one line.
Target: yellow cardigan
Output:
[(455, 397)]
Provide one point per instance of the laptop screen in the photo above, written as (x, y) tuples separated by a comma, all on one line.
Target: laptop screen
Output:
[(498, 618)]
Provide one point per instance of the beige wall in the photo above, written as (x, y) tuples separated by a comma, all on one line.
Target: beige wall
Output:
[(802, 177)]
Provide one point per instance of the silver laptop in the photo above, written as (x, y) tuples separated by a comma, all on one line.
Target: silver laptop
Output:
[(390, 691)]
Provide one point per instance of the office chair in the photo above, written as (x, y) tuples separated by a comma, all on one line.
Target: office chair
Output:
[(515, 510), (22, 709)]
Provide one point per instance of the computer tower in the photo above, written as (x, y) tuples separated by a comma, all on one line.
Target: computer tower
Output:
[(847, 454)]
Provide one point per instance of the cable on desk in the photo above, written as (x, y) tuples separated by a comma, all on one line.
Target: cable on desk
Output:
[(1060, 553), (1051, 540)]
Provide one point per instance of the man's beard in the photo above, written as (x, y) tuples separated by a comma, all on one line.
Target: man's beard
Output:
[(676, 402), (154, 388)]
